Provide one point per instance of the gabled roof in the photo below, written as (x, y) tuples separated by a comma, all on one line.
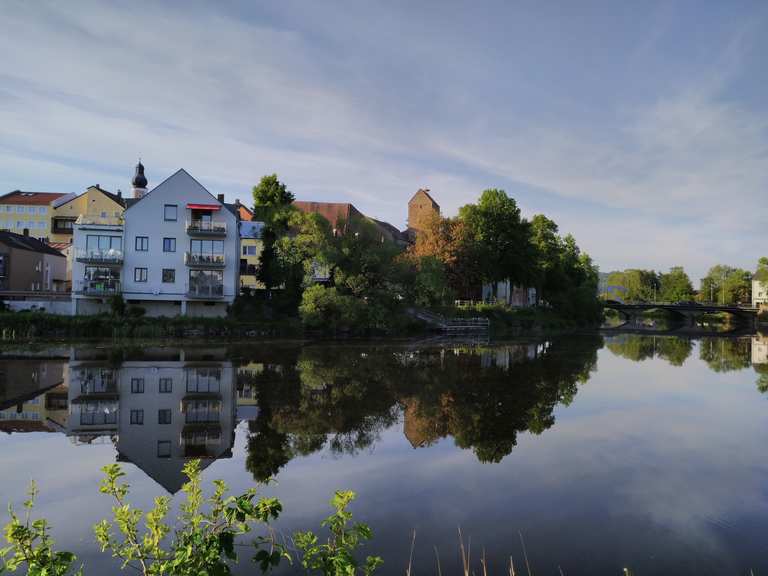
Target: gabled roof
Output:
[(114, 197), (425, 192), (30, 198), (27, 243)]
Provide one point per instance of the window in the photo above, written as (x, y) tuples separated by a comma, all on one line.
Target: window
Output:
[(142, 243), (169, 275), (97, 243), (31, 209), (170, 212), (164, 416), (249, 250), (41, 223), (19, 209), (9, 208), (42, 210), (103, 214), (137, 385), (206, 246), (139, 274), (19, 224), (163, 448), (169, 244), (166, 385), (137, 417)]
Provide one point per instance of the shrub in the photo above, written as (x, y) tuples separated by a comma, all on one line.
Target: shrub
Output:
[(136, 311), (327, 310), (117, 304)]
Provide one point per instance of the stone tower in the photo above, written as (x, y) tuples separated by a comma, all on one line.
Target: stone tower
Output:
[(421, 208)]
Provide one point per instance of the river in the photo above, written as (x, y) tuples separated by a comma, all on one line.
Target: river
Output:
[(594, 452)]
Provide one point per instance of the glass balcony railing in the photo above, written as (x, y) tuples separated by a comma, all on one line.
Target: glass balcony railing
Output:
[(205, 291), (197, 259), (108, 257), (206, 228), (99, 287)]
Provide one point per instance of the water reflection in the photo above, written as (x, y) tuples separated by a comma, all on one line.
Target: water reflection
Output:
[(160, 407)]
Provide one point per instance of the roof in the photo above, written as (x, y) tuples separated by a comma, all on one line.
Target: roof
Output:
[(251, 229), (60, 246), (424, 191), (331, 211), (30, 198), (114, 197), (245, 212), (27, 243)]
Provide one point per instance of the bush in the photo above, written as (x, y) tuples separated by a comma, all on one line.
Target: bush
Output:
[(326, 310), (117, 304), (136, 311)]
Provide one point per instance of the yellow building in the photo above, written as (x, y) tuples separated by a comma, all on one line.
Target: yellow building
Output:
[(30, 211), (93, 203), (251, 246)]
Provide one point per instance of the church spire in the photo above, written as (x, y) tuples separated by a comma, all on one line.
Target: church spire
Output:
[(139, 181)]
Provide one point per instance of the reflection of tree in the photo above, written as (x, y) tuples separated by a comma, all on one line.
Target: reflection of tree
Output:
[(762, 377), (342, 398), (638, 347), (725, 354)]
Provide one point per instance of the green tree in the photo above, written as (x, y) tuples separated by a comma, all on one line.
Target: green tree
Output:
[(503, 238), (272, 203), (639, 285), (726, 285), (761, 274), (675, 285)]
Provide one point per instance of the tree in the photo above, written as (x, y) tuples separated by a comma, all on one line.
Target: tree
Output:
[(503, 238), (639, 285), (675, 285), (761, 274), (726, 285), (272, 203)]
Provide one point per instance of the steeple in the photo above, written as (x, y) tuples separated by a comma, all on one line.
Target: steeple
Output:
[(139, 181)]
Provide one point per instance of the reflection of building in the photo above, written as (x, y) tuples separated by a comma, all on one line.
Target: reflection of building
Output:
[(247, 400), (759, 349), (505, 356), (420, 430), (161, 410), (33, 395)]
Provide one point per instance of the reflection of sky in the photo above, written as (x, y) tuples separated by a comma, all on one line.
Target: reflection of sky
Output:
[(652, 466)]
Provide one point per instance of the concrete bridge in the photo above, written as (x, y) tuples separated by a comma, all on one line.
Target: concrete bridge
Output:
[(686, 311)]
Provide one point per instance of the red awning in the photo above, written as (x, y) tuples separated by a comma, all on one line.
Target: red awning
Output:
[(204, 206)]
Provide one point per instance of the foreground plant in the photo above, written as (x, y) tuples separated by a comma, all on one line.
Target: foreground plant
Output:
[(31, 546), (202, 542), (337, 556)]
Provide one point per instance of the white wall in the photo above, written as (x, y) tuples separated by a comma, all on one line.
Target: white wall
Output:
[(146, 218), (63, 307)]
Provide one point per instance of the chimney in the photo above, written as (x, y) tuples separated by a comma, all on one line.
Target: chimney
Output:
[(220, 197), (119, 193), (26, 232), (237, 202)]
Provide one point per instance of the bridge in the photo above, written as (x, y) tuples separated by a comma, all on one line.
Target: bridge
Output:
[(687, 311)]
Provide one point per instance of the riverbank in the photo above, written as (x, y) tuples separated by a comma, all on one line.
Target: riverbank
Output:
[(33, 325)]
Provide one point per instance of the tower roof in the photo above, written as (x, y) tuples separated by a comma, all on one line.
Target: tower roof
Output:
[(139, 180)]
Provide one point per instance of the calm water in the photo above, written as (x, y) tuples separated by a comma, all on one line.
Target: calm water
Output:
[(603, 452)]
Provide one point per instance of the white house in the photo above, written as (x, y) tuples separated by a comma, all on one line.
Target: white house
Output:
[(507, 293), (759, 293), (176, 251)]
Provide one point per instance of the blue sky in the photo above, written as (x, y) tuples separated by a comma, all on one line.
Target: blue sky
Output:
[(641, 128)]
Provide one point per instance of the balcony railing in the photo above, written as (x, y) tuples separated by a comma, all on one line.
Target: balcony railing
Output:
[(206, 228), (63, 226), (98, 418), (111, 257), (99, 287), (97, 382), (198, 260), (206, 291)]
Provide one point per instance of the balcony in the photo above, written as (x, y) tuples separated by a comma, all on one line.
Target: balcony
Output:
[(206, 228), (198, 260), (63, 225), (99, 288), (110, 257), (205, 291)]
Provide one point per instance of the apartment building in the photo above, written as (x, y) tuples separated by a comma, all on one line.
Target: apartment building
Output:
[(95, 202), (175, 252), (30, 211)]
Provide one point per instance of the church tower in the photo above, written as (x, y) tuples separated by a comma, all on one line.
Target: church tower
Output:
[(139, 181)]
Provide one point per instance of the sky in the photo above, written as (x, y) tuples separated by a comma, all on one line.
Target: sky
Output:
[(640, 127)]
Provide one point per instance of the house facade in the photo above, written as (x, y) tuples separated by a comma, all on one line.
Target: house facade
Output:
[(759, 293), (95, 202), (251, 246), (28, 264), (505, 292), (29, 211), (175, 252)]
